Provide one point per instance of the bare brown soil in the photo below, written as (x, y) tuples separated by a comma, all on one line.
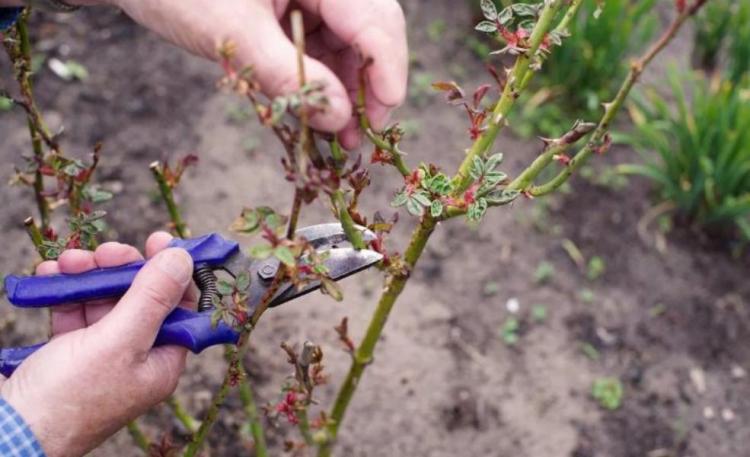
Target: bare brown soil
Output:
[(444, 383)]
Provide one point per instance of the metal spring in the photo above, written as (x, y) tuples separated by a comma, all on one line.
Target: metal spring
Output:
[(205, 279)]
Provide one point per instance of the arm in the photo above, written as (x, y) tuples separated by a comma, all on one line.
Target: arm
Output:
[(337, 31), (16, 438)]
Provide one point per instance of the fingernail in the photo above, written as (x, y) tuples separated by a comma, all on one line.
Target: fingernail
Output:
[(175, 263)]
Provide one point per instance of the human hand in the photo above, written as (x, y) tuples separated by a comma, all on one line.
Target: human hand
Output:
[(100, 371), (337, 31)]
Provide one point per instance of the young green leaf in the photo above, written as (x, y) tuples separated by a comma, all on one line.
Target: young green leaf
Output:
[(225, 288), (489, 10), (486, 27), (436, 208), (285, 255), (421, 197), (261, 251), (400, 199), (242, 282), (414, 207)]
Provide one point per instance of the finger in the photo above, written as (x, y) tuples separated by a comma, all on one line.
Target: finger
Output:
[(74, 261), (68, 318), (112, 254), (275, 69), (156, 290), (351, 136), (64, 318), (378, 30), (157, 242), (109, 255)]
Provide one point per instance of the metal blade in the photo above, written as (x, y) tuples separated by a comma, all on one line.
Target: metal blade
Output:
[(341, 263), (330, 235)]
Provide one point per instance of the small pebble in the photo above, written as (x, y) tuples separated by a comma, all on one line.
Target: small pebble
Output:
[(513, 305), (709, 413), (727, 414), (698, 377), (738, 372)]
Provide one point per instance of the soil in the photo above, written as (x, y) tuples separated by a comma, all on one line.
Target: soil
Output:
[(672, 324)]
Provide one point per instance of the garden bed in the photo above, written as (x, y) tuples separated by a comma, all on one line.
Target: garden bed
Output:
[(673, 326)]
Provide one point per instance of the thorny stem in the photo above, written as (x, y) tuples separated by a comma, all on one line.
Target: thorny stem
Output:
[(611, 108), (395, 283), (246, 395), (304, 426), (511, 92), (212, 414), (552, 148), (35, 125), (570, 14), (363, 355), (213, 411), (255, 426), (167, 195)]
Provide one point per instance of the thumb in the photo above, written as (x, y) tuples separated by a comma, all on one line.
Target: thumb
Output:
[(156, 290), (274, 65)]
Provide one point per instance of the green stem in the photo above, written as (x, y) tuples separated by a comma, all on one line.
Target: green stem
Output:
[(211, 415), (363, 355), (570, 14), (375, 139), (255, 426), (511, 92), (167, 195), (24, 80), (140, 438), (34, 233), (304, 426), (611, 109), (187, 421), (342, 210)]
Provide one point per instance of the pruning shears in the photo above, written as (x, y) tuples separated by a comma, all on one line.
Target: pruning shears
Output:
[(211, 253)]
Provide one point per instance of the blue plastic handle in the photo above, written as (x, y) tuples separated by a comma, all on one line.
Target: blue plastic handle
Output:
[(181, 328), (43, 291)]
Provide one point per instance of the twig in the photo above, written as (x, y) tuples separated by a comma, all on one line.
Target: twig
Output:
[(511, 92), (212, 414), (612, 108), (376, 139), (34, 233), (37, 131), (167, 196), (255, 426)]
